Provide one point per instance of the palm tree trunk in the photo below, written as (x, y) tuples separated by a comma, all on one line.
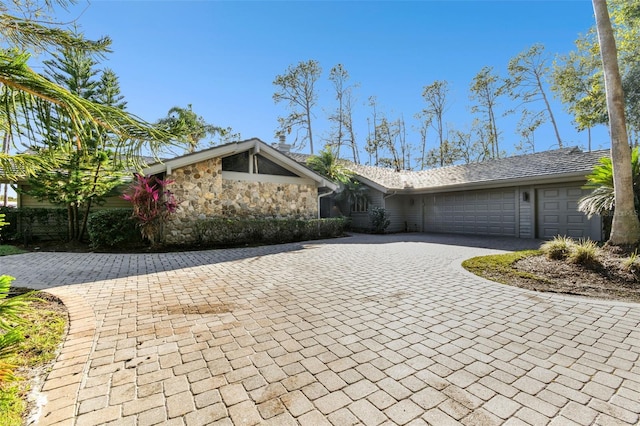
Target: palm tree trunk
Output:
[(625, 229)]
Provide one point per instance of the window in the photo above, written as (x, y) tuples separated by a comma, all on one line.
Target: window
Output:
[(261, 165), (264, 166), (236, 163), (360, 204)]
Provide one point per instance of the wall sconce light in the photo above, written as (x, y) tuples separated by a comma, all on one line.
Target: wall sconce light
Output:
[(525, 196)]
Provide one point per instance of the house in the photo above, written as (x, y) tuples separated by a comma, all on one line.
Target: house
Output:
[(247, 179), (526, 196)]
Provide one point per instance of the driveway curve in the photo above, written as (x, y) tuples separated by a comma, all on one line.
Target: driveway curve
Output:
[(359, 330)]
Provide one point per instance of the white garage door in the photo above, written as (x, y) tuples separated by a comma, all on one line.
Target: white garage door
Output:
[(557, 214), (490, 212)]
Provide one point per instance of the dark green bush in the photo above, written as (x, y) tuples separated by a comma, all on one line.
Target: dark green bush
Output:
[(26, 224), (379, 220), (221, 232), (113, 227)]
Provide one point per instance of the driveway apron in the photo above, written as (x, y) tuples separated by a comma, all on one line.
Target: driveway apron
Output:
[(357, 330)]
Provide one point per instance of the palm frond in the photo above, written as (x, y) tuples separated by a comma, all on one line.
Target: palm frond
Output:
[(29, 34), (32, 96)]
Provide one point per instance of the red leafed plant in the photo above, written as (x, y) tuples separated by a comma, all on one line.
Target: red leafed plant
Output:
[(152, 205)]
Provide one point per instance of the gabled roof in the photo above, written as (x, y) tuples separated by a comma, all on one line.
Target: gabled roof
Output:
[(254, 144), (548, 166)]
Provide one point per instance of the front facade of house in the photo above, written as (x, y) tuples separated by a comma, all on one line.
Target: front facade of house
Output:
[(528, 196), (246, 179)]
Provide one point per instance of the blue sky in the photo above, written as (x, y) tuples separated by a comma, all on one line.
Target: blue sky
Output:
[(222, 57)]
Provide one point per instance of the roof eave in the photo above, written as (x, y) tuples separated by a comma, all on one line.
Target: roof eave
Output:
[(234, 148), (498, 183)]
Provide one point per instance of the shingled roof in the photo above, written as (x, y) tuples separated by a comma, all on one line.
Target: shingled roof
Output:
[(559, 164), (543, 166)]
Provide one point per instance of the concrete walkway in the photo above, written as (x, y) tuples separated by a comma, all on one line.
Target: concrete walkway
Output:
[(360, 330)]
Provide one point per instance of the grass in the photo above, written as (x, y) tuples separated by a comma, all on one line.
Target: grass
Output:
[(498, 267), (6, 250), (44, 331), (559, 248), (585, 253)]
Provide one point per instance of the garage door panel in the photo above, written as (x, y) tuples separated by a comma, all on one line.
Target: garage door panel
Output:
[(575, 219), (557, 214), (476, 212)]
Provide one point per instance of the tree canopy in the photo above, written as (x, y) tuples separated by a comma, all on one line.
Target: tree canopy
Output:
[(25, 95)]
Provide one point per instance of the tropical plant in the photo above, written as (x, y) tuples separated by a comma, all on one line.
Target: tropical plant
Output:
[(27, 96), (625, 226), (189, 126), (585, 252), (559, 248), (601, 201), (10, 310), (152, 205), (328, 165)]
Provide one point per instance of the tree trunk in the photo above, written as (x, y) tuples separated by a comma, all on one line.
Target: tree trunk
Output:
[(548, 106), (625, 229)]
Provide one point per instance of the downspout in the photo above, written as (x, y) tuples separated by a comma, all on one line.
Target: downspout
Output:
[(390, 195)]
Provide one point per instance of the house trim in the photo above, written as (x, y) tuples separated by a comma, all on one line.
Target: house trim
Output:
[(255, 177), (255, 146)]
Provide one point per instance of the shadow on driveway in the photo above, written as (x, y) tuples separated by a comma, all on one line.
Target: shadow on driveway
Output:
[(51, 269)]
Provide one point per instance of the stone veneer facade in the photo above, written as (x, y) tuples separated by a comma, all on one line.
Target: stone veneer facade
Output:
[(202, 192)]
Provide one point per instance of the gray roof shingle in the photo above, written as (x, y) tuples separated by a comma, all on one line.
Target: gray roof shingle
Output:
[(559, 163), (568, 162)]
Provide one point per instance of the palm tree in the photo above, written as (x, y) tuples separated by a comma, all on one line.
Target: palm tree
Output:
[(625, 228), (328, 165), (189, 126), (29, 95), (602, 200)]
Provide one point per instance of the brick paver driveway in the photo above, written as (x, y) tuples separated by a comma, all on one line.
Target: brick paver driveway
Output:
[(359, 330)]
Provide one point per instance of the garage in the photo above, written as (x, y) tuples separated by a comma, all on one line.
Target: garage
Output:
[(557, 214), (482, 212)]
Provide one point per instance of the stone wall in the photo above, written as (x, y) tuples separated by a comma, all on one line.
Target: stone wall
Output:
[(201, 193)]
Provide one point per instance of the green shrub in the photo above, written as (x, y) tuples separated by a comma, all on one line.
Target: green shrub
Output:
[(559, 248), (631, 262), (221, 232), (113, 227), (585, 253), (26, 224), (379, 220)]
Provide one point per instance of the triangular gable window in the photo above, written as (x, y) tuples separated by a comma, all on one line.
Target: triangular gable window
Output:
[(261, 165), (236, 163), (265, 166)]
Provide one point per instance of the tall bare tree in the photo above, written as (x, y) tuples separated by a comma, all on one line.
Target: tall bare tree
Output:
[(342, 133), (625, 229), (527, 82), (486, 88), (296, 87), (435, 96)]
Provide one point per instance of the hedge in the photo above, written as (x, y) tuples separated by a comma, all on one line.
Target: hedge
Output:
[(220, 232), (113, 227), (27, 224)]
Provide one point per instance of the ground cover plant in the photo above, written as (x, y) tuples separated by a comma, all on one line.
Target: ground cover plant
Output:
[(567, 266), (44, 329), (32, 327)]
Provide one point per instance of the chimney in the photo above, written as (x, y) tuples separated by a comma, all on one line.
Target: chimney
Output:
[(283, 146)]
